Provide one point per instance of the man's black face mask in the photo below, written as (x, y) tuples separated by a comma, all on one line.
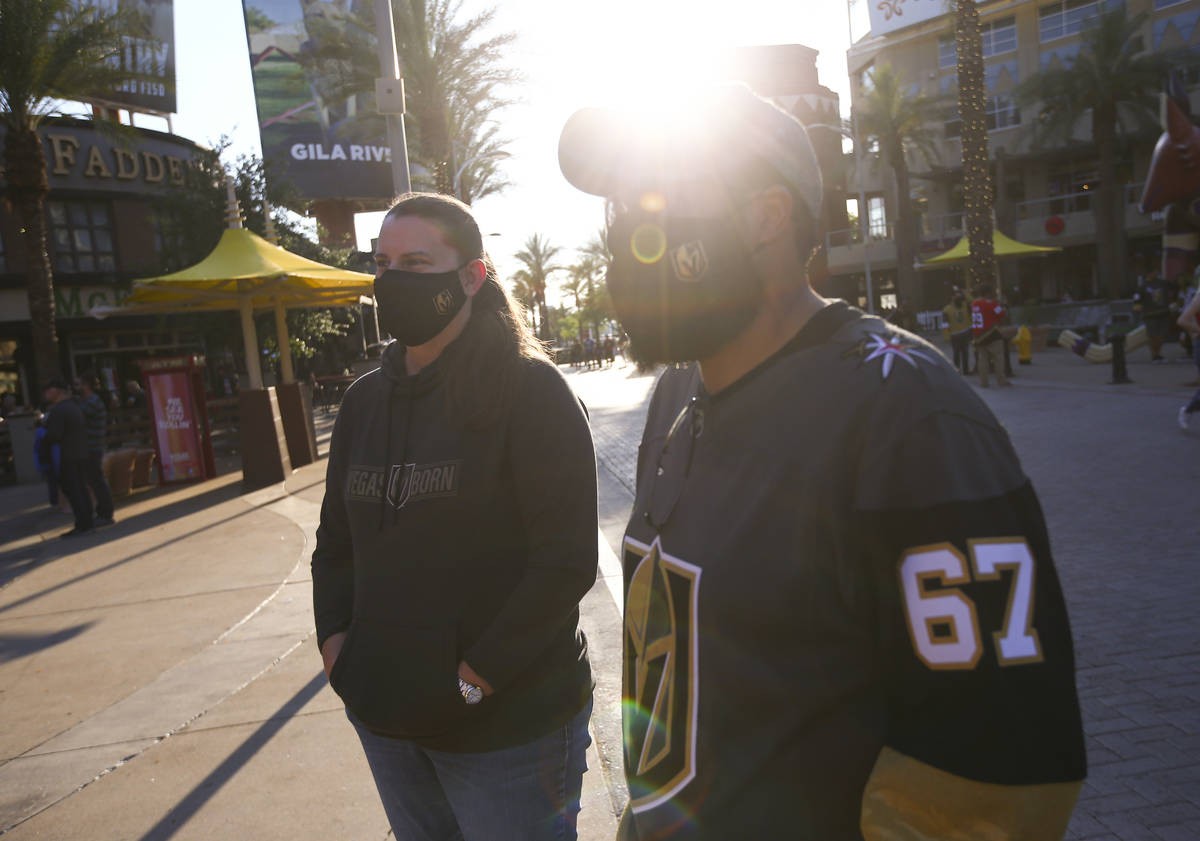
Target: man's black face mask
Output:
[(683, 287)]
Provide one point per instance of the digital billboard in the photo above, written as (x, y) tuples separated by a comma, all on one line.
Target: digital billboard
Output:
[(317, 122)]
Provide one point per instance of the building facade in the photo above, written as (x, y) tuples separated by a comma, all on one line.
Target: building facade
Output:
[(105, 226), (1043, 192)]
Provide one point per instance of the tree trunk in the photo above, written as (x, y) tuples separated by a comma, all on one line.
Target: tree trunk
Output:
[(906, 234), (977, 182), (1108, 273), (25, 166)]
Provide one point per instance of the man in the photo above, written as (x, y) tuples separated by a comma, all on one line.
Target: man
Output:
[(96, 419), (841, 614), (1153, 299), (66, 427), (987, 314), (958, 318)]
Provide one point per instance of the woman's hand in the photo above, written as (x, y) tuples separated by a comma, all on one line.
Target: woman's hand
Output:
[(331, 650), (468, 674)]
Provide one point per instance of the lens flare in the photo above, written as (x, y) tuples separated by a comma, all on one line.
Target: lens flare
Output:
[(653, 202), (649, 243)]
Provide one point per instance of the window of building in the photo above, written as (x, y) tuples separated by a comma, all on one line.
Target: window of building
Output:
[(997, 36), (1001, 112), (1068, 17), (1162, 4), (82, 236), (877, 217)]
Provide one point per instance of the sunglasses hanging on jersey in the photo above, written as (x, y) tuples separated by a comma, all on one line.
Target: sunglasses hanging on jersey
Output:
[(674, 464)]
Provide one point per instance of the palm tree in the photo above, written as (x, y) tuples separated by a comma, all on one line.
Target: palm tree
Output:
[(453, 79), (977, 179), (901, 123), (525, 294), (1115, 82), (536, 258), (50, 50)]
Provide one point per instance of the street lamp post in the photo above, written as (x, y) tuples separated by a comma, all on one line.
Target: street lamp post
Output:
[(489, 156), (863, 228), (389, 96)]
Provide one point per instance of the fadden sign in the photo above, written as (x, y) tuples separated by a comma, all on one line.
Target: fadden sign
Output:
[(330, 142), (80, 158), (889, 15)]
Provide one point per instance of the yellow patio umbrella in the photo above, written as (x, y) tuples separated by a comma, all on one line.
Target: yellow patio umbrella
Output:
[(1003, 246), (246, 273)]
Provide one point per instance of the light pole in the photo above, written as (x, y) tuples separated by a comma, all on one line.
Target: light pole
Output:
[(389, 95), (489, 156), (863, 228)]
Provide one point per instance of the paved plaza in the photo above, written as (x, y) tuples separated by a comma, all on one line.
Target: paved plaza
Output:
[(160, 681)]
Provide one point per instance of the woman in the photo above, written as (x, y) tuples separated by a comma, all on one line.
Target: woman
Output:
[(458, 534)]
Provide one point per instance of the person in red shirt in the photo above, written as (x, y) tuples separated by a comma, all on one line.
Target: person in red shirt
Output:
[(986, 316)]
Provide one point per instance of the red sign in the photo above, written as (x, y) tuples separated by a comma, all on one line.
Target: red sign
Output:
[(1055, 225), (176, 431)]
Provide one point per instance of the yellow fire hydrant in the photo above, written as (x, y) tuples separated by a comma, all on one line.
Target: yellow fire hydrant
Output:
[(1024, 346)]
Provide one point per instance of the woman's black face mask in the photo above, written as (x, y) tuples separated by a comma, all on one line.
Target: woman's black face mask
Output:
[(682, 287), (414, 306)]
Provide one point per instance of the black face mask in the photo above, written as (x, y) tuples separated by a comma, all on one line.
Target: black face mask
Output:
[(682, 288), (414, 307)]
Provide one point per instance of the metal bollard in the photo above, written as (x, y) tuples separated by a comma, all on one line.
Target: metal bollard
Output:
[(1120, 375)]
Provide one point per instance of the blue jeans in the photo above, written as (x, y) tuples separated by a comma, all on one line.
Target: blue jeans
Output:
[(526, 793)]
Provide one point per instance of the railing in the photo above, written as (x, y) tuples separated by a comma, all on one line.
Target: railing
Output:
[(1072, 203), (853, 236), (942, 226)]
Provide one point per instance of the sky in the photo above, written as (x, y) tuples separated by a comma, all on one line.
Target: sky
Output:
[(572, 55)]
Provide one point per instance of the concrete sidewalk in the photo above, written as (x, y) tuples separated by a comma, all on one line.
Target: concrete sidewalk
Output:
[(160, 678)]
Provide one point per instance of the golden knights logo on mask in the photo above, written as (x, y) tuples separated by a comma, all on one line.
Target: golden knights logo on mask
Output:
[(689, 261), (661, 673), (443, 302)]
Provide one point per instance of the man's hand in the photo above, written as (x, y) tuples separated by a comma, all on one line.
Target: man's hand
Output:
[(331, 650), (468, 674)]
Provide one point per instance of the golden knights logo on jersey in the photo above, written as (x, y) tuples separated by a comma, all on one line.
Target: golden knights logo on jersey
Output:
[(661, 673)]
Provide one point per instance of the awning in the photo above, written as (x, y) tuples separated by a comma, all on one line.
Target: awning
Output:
[(1005, 248)]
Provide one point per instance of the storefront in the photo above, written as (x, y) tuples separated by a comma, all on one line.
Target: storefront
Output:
[(105, 227)]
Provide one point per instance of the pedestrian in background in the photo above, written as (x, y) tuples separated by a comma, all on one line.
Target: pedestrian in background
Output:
[(47, 459), (66, 427), (96, 418), (987, 314), (135, 395), (457, 537), (958, 317), (1153, 299), (1189, 321)]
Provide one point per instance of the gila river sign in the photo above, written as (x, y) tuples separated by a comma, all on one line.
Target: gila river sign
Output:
[(325, 136)]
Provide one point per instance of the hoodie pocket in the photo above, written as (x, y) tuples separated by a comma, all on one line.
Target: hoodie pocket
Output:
[(400, 679)]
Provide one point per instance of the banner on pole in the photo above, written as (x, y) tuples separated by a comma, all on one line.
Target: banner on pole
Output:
[(313, 64), (176, 432), (147, 54)]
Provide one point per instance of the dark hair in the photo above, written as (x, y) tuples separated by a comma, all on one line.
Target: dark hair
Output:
[(58, 383), (482, 375), (90, 380)]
